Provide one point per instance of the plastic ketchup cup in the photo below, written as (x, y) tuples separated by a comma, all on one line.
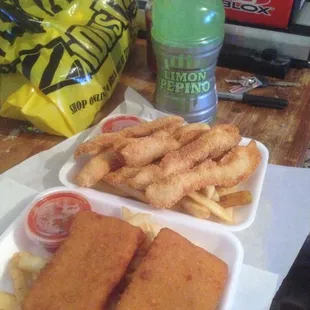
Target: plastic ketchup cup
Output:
[(120, 122), (49, 220)]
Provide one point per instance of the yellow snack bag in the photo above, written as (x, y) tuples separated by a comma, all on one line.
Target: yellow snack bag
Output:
[(60, 60)]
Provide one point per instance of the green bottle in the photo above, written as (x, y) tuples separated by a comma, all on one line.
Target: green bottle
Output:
[(187, 37)]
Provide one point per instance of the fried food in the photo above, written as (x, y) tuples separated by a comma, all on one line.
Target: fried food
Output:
[(191, 136), (217, 141), (96, 168), (162, 161), (121, 143), (120, 176), (175, 274), (95, 145), (189, 128), (191, 132), (109, 189), (208, 191), (145, 150), (232, 169), (214, 207), (8, 301), (146, 176), (87, 267), (215, 196), (222, 191), (144, 221), (236, 199), (194, 208), (19, 280), (131, 192), (30, 263)]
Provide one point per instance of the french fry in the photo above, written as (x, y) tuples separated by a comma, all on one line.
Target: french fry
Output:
[(18, 279), (143, 221), (214, 207), (195, 209), (208, 191), (215, 196), (126, 214), (230, 211), (31, 263), (34, 276), (8, 301), (236, 199), (226, 190)]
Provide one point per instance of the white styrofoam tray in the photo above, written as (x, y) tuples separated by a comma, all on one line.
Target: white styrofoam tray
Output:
[(244, 216), (211, 237)]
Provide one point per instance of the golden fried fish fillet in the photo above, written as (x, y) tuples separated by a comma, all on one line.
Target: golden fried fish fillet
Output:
[(175, 274), (88, 266), (235, 167)]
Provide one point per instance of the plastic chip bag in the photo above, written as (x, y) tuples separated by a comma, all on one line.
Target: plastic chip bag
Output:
[(60, 60)]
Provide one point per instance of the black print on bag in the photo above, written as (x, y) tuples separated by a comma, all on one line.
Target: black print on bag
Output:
[(128, 9), (102, 32)]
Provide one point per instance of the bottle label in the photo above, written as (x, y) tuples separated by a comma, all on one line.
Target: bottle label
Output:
[(182, 74), (187, 82)]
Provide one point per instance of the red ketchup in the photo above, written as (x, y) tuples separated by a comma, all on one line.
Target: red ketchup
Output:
[(49, 221), (120, 122)]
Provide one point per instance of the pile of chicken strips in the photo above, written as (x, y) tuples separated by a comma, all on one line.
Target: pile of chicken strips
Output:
[(167, 164)]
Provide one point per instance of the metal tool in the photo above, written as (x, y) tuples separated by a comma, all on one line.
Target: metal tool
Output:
[(265, 82), (256, 101)]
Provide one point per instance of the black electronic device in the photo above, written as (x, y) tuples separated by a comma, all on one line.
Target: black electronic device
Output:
[(268, 62)]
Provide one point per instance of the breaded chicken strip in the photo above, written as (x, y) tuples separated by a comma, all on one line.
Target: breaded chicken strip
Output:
[(212, 144), (145, 150), (95, 145), (233, 168), (96, 168)]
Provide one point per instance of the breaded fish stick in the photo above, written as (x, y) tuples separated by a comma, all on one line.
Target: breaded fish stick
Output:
[(121, 176), (95, 145), (176, 275), (96, 168), (85, 270), (146, 176), (190, 136), (191, 127), (219, 140), (232, 169), (145, 150), (216, 142)]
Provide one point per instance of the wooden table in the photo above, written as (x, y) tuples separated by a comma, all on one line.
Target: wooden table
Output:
[(286, 133)]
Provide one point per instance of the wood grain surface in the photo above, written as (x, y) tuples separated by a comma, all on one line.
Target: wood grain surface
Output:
[(286, 133)]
